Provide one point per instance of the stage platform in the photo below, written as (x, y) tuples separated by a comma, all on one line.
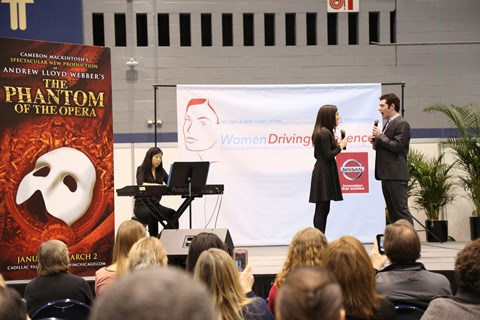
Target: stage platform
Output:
[(268, 261), (435, 256)]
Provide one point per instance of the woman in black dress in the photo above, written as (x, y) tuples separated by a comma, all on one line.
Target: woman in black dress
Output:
[(151, 172), (325, 185)]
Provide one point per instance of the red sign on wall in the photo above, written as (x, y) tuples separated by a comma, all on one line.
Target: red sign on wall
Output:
[(343, 5), (353, 172)]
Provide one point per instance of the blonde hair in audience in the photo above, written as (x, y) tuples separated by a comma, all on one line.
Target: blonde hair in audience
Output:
[(128, 233), (217, 270), (147, 252), (348, 260), (52, 258), (306, 249)]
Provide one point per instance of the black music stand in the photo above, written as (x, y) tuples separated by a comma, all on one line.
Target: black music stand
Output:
[(191, 175)]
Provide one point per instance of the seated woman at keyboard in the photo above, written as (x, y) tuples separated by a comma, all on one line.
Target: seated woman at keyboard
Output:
[(150, 172)]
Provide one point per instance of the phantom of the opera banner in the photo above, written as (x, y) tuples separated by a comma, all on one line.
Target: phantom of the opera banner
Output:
[(56, 160)]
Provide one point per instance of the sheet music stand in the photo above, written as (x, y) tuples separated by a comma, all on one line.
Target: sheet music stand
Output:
[(191, 175)]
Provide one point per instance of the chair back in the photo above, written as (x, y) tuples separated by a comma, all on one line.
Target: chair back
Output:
[(408, 312), (66, 309)]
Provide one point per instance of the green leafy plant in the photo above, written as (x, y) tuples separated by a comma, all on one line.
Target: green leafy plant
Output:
[(414, 157), (431, 183), (466, 147)]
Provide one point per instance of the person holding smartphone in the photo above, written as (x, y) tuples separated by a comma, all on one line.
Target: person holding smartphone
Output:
[(217, 270), (405, 279)]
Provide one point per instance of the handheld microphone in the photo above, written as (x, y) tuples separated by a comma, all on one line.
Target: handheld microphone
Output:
[(343, 135), (375, 123)]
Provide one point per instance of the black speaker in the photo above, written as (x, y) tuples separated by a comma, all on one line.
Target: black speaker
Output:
[(177, 242)]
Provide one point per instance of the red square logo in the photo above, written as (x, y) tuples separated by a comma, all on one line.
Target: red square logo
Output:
[(353, 172)]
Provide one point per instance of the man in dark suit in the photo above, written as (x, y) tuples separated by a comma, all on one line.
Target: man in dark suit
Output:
[(391, 166)]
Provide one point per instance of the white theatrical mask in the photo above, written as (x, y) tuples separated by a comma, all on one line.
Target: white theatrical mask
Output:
[(66, 178)]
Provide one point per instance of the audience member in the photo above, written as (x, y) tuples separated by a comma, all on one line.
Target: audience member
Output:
[(348, 260), (207, 240), (12, 306), (147, 253), (201, 242), (310, 293), (155, 294), (405, 279), (54, 282), (128, 233), (465, 304), (306, 249), (218, 271)]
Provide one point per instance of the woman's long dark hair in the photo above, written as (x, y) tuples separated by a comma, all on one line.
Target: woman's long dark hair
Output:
[(146, 165), (326, 118)]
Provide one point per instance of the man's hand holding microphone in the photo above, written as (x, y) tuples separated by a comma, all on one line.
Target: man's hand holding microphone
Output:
[(375, 132)]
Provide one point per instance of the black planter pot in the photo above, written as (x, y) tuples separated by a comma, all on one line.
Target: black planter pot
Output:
[(474, 228), (437, 230)]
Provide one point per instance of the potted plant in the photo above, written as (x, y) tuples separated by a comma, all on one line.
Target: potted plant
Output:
[(413, 158), (432, 190), (466, 148)]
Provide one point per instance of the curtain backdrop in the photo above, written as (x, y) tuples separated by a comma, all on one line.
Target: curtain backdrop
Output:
[(258, 140)]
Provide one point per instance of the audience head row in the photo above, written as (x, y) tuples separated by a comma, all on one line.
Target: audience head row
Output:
[(306, 289)]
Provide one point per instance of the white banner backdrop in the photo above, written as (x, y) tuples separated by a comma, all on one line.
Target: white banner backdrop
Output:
[(257, 138)]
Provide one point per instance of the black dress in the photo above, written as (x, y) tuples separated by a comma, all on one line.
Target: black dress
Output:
[(325, 183), (141, 210)]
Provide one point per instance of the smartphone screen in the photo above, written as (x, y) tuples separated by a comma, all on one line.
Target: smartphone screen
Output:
[(240, 256), (380, 243)]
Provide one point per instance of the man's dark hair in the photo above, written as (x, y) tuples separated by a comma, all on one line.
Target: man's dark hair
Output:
[(467, 268), (391, 98)]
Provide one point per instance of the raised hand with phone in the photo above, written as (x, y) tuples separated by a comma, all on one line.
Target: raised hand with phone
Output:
[(240, 255), (377, 254)]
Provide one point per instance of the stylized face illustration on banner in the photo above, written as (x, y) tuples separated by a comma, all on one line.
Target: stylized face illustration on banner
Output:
[(198, 128), (66, 178)]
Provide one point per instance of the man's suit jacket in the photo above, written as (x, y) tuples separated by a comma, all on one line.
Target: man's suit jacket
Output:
[(392, 150)]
